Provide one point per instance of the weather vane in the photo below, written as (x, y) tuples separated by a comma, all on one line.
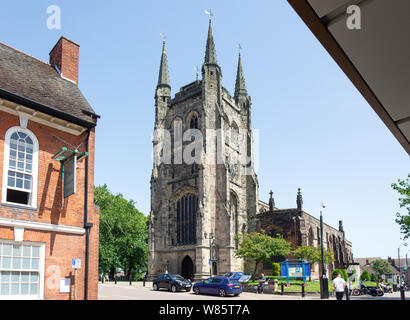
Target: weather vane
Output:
[(239, 47), (163, 36), (209, 13)]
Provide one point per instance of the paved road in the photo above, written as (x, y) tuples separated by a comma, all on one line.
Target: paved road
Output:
[(123, 291)]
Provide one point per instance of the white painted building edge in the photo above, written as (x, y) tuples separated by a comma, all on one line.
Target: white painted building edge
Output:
[(41, 226)]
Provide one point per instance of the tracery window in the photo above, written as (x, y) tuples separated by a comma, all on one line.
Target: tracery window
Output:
[(187, 208)]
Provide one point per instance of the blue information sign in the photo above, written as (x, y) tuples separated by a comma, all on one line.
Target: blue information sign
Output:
[(295, 269)]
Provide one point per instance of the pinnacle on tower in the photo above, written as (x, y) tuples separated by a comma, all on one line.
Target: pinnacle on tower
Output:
[(240, 86), (271, 202), (163, 78), (299, 199), (210, 53)]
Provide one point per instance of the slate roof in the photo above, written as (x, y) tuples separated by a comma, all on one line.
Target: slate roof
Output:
[(27, 77)]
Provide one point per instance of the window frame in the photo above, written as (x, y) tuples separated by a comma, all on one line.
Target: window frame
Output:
[(6, 167), (41, 271)]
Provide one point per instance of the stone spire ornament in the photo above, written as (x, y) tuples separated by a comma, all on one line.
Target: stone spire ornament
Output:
[(163, 78), (210, 52), (271, 202), (299, 200), (240, 85)]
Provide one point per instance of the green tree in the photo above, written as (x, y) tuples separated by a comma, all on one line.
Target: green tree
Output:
[(123, 233), (373, 277), (259, 247), (313, 254), (403, 188), (381, 267), (365, 276)]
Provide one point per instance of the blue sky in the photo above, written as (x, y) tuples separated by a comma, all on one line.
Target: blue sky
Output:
[(316, 131)]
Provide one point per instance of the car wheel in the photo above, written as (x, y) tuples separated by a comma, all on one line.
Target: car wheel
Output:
[(155, 287), (236, 294), (174, 288), (196, 290), (222, 293)]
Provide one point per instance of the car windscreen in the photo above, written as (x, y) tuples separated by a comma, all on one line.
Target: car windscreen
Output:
[(233, 281), (228, 274), (177, 277)]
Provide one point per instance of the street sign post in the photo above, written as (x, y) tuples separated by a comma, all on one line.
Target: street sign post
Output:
[(75, 264)]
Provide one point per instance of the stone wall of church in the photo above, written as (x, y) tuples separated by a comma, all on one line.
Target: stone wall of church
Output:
[(301, 228)]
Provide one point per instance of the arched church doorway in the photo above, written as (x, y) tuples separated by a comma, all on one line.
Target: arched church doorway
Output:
[(187, 270)]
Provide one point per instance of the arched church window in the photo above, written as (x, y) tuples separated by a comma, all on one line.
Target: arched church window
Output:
[(187, 207), (193, 124), (310, 238), (235, 136)]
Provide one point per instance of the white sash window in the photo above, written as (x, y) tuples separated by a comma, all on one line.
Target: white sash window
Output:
[(20, 167), (21, 270)]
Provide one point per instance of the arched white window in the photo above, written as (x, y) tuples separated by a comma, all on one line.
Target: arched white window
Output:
[(20, 167)]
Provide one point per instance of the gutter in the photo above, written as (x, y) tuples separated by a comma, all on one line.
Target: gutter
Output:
[(46, 109)]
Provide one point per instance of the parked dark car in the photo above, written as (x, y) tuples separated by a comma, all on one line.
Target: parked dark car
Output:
[(172, 282), (221, 286)]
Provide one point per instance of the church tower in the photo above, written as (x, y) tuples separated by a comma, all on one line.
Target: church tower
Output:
[(203, 184)]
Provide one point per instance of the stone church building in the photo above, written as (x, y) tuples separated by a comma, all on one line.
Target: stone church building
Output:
[(301, 228), (204, 190)]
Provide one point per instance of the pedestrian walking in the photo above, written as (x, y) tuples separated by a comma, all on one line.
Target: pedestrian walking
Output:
[(340, 284)]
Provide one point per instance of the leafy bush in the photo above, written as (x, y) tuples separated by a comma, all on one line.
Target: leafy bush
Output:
[(343, 274), (365, 276), (275, 269)]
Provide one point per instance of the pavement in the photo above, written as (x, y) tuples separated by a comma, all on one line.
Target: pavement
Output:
[(136, 291)]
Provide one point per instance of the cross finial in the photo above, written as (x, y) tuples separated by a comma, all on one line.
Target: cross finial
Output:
[(271, 193)]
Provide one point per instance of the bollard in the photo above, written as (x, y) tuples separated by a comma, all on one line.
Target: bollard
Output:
[(303, 290), (402, 296), (115, 280), (130, 280), (347, 293), (282, 288)]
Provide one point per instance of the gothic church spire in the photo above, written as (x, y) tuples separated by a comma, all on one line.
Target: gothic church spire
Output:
[(240, 86), (163, 78), (210, 53)]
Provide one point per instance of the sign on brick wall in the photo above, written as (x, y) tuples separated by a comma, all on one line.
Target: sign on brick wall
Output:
[(70, 176)]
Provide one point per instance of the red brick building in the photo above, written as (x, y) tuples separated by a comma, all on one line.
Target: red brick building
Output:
[(46, 218)]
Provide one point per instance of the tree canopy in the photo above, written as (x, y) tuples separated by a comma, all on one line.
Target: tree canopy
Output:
[(381, 267), (313, 254), (259, 247), (403, 188), (123, 233)]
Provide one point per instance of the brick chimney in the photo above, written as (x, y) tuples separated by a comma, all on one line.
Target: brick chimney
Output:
[(65, 56)]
